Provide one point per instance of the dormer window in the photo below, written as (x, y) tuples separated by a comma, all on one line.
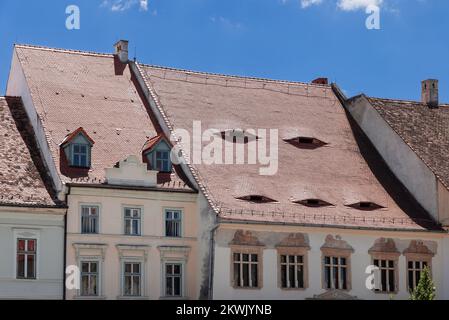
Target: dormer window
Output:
[(306, 142), (156, 153), (314, 203), (256, 199), (77, 147), (366, 206), (80, 155), (238, 136)]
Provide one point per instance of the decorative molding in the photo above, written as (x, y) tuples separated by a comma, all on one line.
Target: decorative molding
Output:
[(384, 246), (131, 172), (90, 246), (417, 247), (336, 243), (294, 240), (333, 295), (123, 248), (245, 238), (168, 252)]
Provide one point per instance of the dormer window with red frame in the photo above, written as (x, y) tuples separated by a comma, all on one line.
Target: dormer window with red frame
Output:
[(77, 147)]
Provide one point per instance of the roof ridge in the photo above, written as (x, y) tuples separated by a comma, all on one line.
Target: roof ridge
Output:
[(71, 51), (222, 75), (403, 101)]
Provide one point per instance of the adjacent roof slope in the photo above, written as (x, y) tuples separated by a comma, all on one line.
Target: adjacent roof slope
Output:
[(23, 180), (72, 89), (336, 173), (424, 129)]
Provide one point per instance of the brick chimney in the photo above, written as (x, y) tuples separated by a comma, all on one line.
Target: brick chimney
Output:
[(429, 92), (121, 50)]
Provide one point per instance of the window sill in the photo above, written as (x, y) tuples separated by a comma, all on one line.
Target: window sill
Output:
[(293, 289), (247, 288)]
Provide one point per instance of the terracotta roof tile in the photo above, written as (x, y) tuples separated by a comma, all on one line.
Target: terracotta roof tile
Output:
[(424, 129), (23, 179), (344, 171), (72, 89)]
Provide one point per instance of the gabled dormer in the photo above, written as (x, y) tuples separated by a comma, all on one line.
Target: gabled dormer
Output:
[(156, 152), (77, 148)]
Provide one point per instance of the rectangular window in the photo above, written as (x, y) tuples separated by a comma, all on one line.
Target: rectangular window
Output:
[(335, 273), (173, 223), (246, 270), (26, 258), (89, 219), (132, 221), (132, 279), (89, 278), (414, 269), (292, 271), (163, 161), (80, 155), (387, 271), (173, 280)]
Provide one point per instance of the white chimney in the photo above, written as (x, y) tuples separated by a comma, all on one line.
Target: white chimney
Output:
[(121, 50), (429, 92)]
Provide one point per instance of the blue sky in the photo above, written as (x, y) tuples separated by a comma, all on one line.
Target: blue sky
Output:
[(281, 39)]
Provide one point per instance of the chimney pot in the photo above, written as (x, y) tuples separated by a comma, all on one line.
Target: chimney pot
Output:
[(429, 92), (121, 50)]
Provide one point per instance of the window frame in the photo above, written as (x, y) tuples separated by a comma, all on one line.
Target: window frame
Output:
[(387, 256), (239, 249), (293, 251), (140, 274), (87, 154), (98, 273), (416, 257), (31, 234), (124, 218), (336, 253), (182, 275), (88, 205), (163, 161), (181, 222), (26, 253)]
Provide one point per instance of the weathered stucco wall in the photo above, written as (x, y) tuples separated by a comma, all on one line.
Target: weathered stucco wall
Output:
[(360, 241), (47, 226)]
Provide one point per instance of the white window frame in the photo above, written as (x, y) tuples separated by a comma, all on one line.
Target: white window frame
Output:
[(388, 269), (141, 274), (92, 259), (250, 263), (331, 265), (181, 222), (31, 234), (296, 265), (83, 205), (131, 207), (182, 263), (72, 155)]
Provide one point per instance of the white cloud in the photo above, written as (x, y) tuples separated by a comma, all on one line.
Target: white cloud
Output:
[(123, 5), (345, 5), (352, 5), (308, 3)]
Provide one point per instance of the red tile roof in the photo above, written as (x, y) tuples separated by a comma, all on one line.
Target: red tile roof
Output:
[(73, 89), (23, 178), (345, 171)]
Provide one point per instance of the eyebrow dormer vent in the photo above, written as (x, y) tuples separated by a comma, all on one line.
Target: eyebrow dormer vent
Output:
[(254, 198), (238, 136), (366, 206), (306, 142), (314, 203)]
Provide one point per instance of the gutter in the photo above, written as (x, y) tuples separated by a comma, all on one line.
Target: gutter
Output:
[(212, 261), (65, 246)]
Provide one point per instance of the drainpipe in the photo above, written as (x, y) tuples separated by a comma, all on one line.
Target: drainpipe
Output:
[(211, 261), (65, 245)]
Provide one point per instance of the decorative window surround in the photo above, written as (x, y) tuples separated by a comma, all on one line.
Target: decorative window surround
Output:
[(244, 242), (134, 254), (417, 252), (337, 248), (174, 255), (294, 245), (385, 249)]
